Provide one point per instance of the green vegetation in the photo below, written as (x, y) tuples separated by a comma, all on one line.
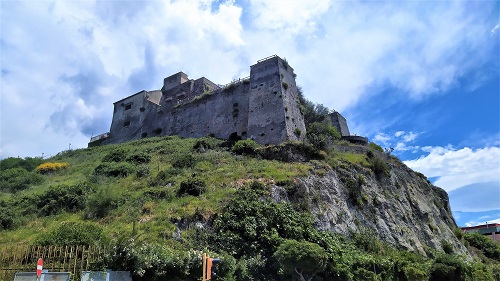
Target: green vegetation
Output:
[(156, 204), (303, 258)]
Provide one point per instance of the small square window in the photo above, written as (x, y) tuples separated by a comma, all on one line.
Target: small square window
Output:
[(128, 106), (126, 124)]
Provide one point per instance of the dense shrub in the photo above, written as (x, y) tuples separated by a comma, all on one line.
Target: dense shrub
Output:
[(154, 262), (249, 226), (142, 171), (164, 177), (489, 248), (203, 144), (245, 147), (117, 155), (50, 167), (321, 134), (183, 160), (192, 186), (114, 169), (16, 179), (139, 158), (303, 258), (63, 198), (27, 163), (291, 152), (448, 267), (6, 217), (72, 234), (375, 146), (379, 167), (102, 202)]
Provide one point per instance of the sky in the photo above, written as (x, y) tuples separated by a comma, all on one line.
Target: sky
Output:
[(421, 77)]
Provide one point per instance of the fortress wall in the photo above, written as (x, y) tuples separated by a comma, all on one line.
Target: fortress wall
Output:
[(266, 120), (295, 126), (220, 114), (261, 108), (179, 94), (340, 123), (129, 117), (274, 113)]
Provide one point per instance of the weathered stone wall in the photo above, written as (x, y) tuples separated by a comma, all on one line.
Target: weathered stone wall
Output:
[(273, 114), (340, 123), (264, 108)]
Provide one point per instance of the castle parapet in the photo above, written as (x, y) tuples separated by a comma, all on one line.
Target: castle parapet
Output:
[(175, 80)]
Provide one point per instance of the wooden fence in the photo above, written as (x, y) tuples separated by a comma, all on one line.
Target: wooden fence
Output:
[(73, 259)]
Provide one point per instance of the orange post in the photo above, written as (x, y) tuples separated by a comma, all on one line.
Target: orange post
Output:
[(209, 268), (204, 267)]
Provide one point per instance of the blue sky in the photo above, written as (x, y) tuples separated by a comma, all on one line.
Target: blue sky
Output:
[(421, 77)]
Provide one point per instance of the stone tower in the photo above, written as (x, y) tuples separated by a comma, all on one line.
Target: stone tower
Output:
[(274, 114)]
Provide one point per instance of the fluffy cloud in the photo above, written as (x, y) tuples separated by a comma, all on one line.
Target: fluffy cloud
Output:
[(456, 168), (399, 140), (65, 62)]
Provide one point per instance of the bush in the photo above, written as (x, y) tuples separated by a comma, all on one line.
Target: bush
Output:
[(142, 171), (447, 246), (6, 218), (139, 158), (164, 177), (321, 134), (101, 203), (363, 274), (114, 169), (448, 267), (16, 179), (375, 146), (184, 160), (193, 186), (117, 155), (154, 262), (302, 258), (72, 234), (63, 198), (245, 147), (379, 167), (250, 225), (206, 143), (47, 168), (490, 248), (27, 163)]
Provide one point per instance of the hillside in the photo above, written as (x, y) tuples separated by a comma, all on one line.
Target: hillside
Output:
[(372, 216)]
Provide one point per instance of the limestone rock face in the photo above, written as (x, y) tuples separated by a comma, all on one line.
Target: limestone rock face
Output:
[(401, 208)]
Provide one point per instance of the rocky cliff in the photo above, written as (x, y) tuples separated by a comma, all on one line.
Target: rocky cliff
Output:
[(395, 203)]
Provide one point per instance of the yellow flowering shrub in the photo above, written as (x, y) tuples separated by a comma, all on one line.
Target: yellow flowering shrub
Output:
[(47, 168)]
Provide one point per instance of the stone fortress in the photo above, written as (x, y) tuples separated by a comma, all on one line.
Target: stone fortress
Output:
[(263, 107)]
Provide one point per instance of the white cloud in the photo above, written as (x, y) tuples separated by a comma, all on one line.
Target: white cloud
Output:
[(399, 133), (495, 29), (292, 15), (398, 140), (64, 63), (382, 138), (456, 168), (68, 61)]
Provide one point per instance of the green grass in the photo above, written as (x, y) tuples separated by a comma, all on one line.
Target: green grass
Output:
[(222, 171)]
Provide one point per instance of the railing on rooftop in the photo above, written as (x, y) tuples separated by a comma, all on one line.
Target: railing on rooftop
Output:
[(270, 57), (99, 137)]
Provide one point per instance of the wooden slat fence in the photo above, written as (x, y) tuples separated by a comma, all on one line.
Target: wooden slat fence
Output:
[(73, 259)]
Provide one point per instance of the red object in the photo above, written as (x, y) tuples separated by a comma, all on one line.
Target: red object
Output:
[(39, 266)]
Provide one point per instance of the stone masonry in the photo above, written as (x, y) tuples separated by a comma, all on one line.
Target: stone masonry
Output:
[(263, 107)]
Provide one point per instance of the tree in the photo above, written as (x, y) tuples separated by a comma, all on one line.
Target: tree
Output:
[(304, 258)]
